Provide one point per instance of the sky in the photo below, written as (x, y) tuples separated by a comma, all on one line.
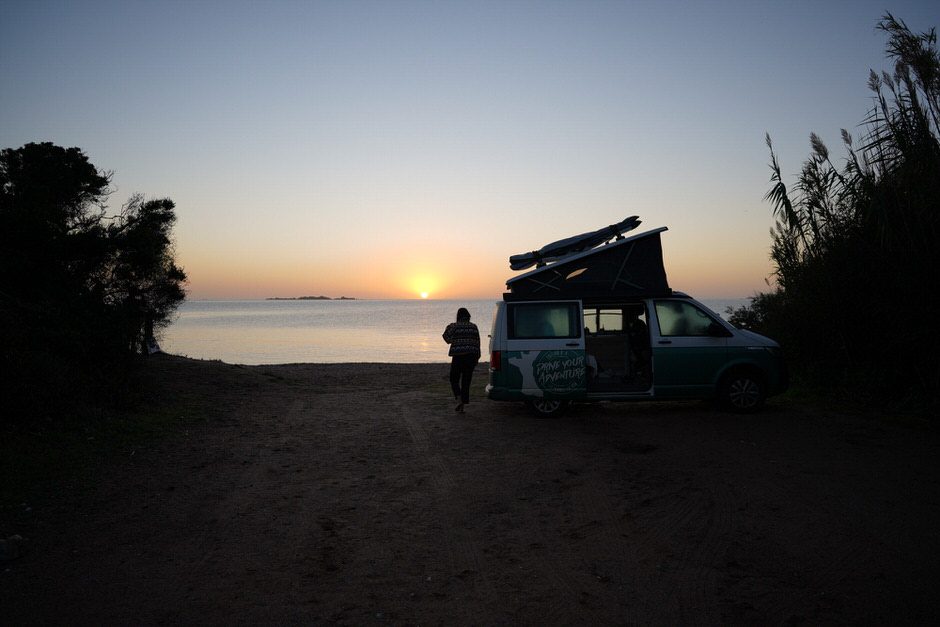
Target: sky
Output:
[(385, 149)]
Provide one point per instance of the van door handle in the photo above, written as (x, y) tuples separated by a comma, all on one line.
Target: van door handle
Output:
[(571, 344), (665, 341)]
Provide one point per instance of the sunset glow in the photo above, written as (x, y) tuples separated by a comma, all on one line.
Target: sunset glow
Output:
[(374, 176)]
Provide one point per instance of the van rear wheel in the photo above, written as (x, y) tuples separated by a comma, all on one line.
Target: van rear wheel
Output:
[(743, 392), (544, 408)]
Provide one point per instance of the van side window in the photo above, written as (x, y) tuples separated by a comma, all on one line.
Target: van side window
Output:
[(677, 317), (543, 320), (604, 320)]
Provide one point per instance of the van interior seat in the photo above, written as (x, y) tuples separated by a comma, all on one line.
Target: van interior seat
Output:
[(610, 351)]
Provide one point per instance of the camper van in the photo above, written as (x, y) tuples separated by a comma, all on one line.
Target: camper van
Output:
[(601, 324)]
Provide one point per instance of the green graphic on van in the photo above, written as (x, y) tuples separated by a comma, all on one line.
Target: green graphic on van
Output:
[(559, 371)]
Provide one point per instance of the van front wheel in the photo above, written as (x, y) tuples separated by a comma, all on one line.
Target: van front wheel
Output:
[(743, 392), (544, 408)]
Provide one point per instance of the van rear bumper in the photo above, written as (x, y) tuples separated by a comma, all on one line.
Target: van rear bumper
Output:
[(496, 393)]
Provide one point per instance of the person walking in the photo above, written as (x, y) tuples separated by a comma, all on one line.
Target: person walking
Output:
[(464, 339)]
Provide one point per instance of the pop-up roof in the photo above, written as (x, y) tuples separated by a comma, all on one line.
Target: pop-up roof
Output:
[(629, 266)]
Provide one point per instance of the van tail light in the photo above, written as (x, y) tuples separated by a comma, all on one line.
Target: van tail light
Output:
[(494, 360)]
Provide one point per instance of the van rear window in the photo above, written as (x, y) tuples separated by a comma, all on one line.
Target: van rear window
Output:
[(529, 321)]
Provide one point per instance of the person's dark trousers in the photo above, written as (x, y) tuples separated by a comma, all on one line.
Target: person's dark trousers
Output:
[(461, 371)]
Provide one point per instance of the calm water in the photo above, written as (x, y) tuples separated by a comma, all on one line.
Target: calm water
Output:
[(329, 331)]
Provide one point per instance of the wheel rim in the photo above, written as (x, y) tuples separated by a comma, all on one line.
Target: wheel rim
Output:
[(547, 407), (744, 393)]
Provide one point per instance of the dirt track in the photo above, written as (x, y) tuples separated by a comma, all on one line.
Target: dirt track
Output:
[(355, 494)]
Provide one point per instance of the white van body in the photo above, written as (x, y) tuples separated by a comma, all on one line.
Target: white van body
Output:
[(550, 352)]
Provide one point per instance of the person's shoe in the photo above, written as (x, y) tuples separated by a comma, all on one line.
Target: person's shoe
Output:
[(459, 407)]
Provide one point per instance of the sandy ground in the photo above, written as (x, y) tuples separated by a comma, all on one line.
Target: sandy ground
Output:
[(355, 494)]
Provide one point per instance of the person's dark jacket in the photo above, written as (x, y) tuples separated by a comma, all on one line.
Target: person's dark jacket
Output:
[(463, 337)]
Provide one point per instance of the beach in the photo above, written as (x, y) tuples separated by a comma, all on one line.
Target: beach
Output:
[(354, 494)]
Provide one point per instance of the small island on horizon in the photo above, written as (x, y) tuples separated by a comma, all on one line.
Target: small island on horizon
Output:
[(309, 298)]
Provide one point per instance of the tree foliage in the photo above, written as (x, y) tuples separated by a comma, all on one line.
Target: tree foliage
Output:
[(855, 246), (80, 290)]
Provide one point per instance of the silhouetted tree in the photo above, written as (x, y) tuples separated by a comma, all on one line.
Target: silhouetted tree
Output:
[(51, 204), (79, 290), (855, 247), (143, 279)]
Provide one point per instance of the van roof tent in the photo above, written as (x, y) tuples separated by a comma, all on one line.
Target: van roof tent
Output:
[(628, 267)]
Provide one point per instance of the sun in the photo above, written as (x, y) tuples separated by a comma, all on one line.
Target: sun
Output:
[(422, 285)]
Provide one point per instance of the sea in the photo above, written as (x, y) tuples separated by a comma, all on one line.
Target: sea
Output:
[(255, 332)]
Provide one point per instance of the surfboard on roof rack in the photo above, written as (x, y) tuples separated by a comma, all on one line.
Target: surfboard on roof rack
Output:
[(570, 245)]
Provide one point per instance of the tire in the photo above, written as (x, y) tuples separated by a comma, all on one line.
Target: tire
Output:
[(743, 391), (545, 408)]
